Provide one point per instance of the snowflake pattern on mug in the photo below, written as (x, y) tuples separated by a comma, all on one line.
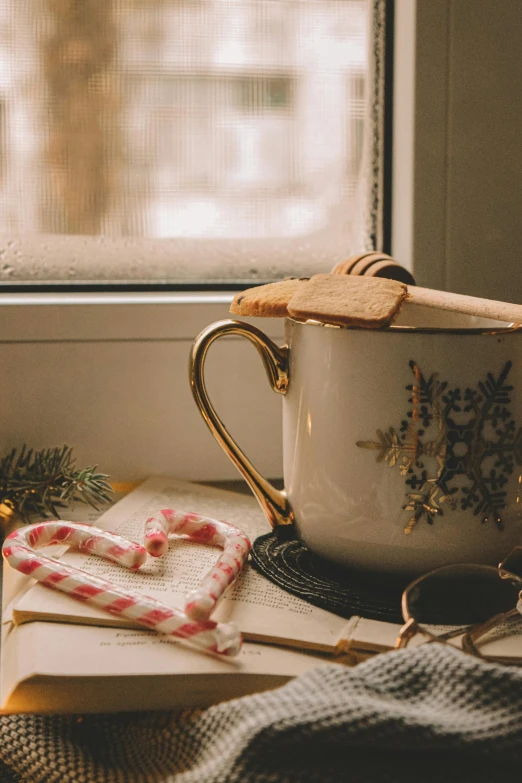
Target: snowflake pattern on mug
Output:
[(456, 448)]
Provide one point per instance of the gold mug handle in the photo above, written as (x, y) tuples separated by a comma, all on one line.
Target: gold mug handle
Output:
[(274, 503)]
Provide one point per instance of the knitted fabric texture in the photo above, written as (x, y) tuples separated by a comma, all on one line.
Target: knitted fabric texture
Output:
[(428, 714)]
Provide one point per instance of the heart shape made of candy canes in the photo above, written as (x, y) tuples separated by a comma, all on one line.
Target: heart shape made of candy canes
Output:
[(20, 550)]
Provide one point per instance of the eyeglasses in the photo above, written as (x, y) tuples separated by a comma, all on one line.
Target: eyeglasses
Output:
[(467, 600)]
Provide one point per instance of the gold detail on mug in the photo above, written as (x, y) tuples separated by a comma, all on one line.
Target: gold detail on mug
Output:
[(456, 448), (274, 502)]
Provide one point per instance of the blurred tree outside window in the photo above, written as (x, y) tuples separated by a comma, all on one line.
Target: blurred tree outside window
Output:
[(204, 119)]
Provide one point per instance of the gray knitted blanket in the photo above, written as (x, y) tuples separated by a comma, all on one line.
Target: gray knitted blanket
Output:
[(429, 714)]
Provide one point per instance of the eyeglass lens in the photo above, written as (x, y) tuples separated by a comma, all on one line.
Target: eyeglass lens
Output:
[(460, 595)]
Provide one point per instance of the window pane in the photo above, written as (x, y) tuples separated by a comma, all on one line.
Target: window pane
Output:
[(243, 133)]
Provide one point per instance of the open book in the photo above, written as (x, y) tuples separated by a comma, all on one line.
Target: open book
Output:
[(62, 655)]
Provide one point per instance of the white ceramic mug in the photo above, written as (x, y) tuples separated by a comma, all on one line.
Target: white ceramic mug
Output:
[(402, 446)]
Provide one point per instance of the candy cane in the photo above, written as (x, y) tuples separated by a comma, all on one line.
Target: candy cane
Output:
[(20, 547), (201, 603)]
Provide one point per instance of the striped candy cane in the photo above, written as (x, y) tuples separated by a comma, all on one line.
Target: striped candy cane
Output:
[(201, 603), (20, 550)]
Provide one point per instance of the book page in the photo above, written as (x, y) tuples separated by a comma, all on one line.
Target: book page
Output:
[(374, 636), (262, 611), (504, 643), (371, 635), (58, 652)]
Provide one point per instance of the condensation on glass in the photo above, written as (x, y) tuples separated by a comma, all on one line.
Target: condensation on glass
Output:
[(181, 139)]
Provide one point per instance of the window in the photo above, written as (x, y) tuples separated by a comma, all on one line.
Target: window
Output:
[(202, 139)]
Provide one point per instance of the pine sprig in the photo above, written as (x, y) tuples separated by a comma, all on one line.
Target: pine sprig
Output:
[(44, 481)]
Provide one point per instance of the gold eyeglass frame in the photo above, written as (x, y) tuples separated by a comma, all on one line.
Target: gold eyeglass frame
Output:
[(470, 633)]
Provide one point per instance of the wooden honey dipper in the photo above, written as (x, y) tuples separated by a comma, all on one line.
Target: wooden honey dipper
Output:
[(468, 305), (381, 265), (374, 264)]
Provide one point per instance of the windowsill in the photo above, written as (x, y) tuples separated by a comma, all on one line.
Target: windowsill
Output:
[(117, 316), (105, 298)]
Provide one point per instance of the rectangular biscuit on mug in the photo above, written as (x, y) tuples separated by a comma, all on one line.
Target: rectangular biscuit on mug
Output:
[(369, 302)]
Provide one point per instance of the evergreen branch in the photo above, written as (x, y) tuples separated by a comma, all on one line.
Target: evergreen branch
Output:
[(41, 482)]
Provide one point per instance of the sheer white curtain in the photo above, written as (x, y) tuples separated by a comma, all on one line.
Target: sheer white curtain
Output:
[(188, 139)]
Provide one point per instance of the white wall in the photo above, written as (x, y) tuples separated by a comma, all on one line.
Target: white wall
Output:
[(111, 380), (467, 181)]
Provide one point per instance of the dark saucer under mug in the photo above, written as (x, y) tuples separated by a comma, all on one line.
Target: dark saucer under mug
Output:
[(290, 565)]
